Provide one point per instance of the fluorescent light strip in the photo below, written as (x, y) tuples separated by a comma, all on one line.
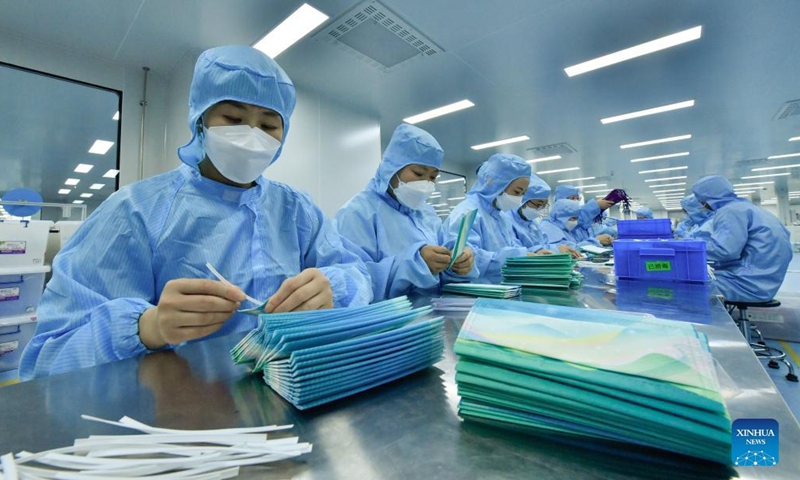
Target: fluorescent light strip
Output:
[(72, 181), (97, 186), (649, 111), (670, 194), (670, 169), (794, 139), (570, 169), (670, 190), (451, 181), (497, 143), (664, 179), (77, 201), (111, 173), (788, 155), (753, 183), (636, 51), (438, 112), (762, 169), (659, 185), (566, 180), (456, 198), (592, 186), (654, 142), (100, 147), (83, 168), (64, 191), (544, 159), (659, 157), (288, 32), (116, 116), (767, 175)]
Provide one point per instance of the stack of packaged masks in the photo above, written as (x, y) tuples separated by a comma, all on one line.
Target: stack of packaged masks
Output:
[(548, 271), (592, 377), (312, 358)]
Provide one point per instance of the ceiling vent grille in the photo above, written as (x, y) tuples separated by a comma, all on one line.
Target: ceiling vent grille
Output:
[(788, 109), (562, 148), (378, 36)]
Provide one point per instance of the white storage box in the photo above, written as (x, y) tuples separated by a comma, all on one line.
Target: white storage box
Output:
[(67, 228), (20, 290), (13, 339), (22, 244)]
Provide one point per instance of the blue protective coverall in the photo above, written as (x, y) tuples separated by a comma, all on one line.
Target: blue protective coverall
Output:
[(388, 234), (168, 226), (749, 246), (492, 237)]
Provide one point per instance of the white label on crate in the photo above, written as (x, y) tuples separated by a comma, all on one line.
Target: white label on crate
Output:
[(8, 294), (764, 317), (12, 248), (8, 347)]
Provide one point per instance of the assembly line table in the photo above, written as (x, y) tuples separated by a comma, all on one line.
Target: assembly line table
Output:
[(407, 429)]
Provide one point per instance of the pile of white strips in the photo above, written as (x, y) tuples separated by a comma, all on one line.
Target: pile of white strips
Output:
[(159, 453)]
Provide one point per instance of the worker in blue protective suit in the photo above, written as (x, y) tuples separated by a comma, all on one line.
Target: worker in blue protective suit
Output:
[(697, 217), (563, 227), (133, 278), (644, 213), (589, 210), (749, 247), (502, 180), (526, 218), (396, 231), (607, 226)]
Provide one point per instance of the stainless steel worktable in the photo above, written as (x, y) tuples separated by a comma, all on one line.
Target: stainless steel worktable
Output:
[(405, 430)]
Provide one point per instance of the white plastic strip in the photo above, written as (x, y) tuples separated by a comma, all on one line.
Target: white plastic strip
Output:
[(223, 280)]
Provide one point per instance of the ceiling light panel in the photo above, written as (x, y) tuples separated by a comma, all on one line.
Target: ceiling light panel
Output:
[(497, 143), (657, 141), (636, 51), (296, 26), (647, 112), (438, 112)]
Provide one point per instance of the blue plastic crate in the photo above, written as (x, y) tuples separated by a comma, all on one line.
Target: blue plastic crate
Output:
[(644, 229), (667, 260)]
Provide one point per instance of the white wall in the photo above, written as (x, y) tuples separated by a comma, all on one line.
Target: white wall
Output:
[(58, 61), (331, 150)]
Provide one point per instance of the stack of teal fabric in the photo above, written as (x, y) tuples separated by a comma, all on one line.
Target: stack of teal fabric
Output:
[(592, 376), (483, 290), (549, 271), (312, 358)]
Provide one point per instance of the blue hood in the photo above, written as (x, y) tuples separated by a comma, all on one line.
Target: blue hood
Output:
[(537, 190), (495, 174), (565, 191), (714, 190), (409, 145), (238, 73), (563, 210), (644, 212), (695, 210)]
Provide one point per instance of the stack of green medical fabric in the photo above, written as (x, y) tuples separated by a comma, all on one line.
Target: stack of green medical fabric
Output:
[(483, 290), (312, 358), (551, 271), (592, 376)]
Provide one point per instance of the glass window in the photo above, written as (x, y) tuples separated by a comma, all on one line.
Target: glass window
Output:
[(60, 138)]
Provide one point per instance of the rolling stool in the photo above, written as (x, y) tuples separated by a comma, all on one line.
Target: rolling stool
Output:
[(761, 350)]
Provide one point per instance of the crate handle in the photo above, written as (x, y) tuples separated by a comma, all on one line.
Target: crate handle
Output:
[(19, 329), (657, 252), (21, 280)]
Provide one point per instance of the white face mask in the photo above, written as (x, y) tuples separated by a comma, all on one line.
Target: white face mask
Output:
[(240, 153), (413, 194), (508, 202), (571, 224), (531, 213)]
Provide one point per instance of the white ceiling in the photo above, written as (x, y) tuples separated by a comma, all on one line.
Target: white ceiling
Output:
[(507, 56)]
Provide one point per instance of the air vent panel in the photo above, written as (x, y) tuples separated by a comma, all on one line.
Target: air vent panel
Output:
[(378, 36)]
